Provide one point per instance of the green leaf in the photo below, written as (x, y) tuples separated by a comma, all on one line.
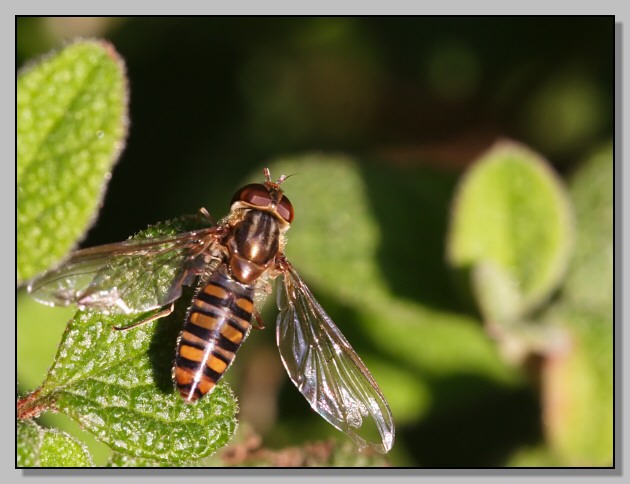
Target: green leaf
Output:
[(497, 296), (511, 211), (71, 126), (540, 456), (39, 447), (122, 460), (28, 443), (578, 382), (368, 240), (496, 292), (589, 283), (118, 386), (36, 342), (578, 391)]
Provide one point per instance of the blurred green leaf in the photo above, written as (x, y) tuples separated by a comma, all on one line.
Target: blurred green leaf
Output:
[(39, 447), (496, 292), (578, 382), (338, 242), (499, 301), (578, 391), (513, 212), (590, 283), (71, 125), (539, 456)]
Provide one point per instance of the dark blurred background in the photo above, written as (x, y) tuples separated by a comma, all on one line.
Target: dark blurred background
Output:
[(215, 98)]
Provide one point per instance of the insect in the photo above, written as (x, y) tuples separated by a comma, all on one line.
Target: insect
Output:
[(231, 264)]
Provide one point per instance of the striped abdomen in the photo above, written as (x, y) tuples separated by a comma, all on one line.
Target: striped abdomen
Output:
[(216, 325)]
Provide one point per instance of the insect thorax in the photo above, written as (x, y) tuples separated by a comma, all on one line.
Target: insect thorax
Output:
[(253, 244)]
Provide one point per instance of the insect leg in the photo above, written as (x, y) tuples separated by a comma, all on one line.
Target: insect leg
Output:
[(161, 314), (205, 214), (260, 324)]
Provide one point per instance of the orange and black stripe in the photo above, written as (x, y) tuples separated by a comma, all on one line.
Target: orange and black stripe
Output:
[(216, 325)]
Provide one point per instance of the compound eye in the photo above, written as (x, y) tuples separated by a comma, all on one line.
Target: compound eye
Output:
[(255, 194), (285, 209)]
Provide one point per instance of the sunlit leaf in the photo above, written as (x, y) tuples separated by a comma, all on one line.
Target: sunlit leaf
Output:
[(39, 447), (117, 385), (122, 460), (512, 211), (71, 126)]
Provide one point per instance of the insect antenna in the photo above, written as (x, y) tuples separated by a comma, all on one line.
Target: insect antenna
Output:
[(280, 180)]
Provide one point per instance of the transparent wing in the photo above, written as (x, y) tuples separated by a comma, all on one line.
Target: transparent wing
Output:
[(327, 371), (133, 276)]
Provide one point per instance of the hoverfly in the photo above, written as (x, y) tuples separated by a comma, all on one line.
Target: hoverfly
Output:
[(231, 264)]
